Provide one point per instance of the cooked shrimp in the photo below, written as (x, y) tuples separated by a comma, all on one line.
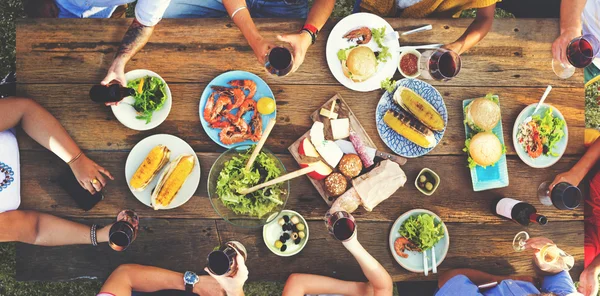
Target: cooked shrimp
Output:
[(246, 84), (361, 35), (401, 244), (230, 135), (256, 130), (238, 99), (237, 121)]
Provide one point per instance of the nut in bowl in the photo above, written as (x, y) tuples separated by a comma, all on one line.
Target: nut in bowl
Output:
[(228, 177), (409, 63), (286, 235)]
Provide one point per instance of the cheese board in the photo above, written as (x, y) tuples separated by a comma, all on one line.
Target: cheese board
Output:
[(339, 139)]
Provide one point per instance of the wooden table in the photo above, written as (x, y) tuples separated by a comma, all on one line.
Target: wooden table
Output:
[(59, 60)]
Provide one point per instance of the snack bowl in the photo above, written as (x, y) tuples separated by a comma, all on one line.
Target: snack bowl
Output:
[(272, 232), (239, 219), (435, 177), (413, 52)]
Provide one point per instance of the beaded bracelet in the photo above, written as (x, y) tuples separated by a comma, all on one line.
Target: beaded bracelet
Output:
[(93, 235)]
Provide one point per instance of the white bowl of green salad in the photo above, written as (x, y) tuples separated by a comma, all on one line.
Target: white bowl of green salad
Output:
[(228, 175)]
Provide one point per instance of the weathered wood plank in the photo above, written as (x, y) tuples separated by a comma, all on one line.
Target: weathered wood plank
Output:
[(183, 244), (94, 126), (454, 201), (516, 52), (175, 244)]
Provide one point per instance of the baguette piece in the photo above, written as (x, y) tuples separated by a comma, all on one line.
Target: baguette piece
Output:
[(171, 180), (150, 167)]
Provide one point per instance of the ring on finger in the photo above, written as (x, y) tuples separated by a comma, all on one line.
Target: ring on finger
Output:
[(94, 181)]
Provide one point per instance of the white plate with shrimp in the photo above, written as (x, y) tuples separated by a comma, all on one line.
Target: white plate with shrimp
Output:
[(336, 41), (219, 116)]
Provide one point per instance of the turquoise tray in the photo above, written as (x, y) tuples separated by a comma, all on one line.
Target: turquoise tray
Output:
[(490, 177)]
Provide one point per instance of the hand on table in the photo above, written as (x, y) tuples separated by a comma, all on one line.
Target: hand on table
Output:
[(559, 46), (300, 42), (537, 243), (89, 174), (116, 73), (588, 281), (568, 176), (261, 48), (233, 285)]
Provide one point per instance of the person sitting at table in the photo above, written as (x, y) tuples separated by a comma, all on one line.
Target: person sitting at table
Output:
[(379, 280), (242, 12), (439, 8), (147, 14), (133, 277), (28, 226), (588, 280)]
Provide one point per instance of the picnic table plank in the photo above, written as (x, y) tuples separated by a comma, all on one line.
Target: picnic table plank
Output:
[(516, 52), (454, 200), (94, 127), (472, 245)]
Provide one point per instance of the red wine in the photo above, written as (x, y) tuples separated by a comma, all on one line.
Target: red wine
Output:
[(220, 262), (580, 53), (120, 236), (343, 229), (110, 93), (566, 196), (443, 65), (518, 211), (279, 61)]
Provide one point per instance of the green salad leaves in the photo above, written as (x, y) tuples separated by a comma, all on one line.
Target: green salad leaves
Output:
[(388, 85), (422, 230), (150, 96), (235, 177), (551, 130)]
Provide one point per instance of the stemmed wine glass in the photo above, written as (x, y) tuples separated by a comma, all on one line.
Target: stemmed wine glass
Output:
[(563, 196), (439, 64), (279, 61), (580, 53), (520, 240), (124, 232), (341, 225)]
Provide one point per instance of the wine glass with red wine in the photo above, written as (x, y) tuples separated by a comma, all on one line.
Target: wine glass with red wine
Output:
[(124, 232), (440, 64), (223, 260), (279, 61), (341, 225), (563, 196), (580, 53)]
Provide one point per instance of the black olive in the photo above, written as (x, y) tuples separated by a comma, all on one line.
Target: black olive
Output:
[(282, 239), (286, 218), (297, 241), (283, 248), (286, 236), (294, 228)]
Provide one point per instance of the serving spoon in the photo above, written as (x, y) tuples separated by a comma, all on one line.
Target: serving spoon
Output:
[(530, 117)]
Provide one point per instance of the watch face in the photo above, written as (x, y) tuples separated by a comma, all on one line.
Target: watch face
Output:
[(190, 278)]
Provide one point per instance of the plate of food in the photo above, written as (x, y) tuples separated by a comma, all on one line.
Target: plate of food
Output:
[(542, 141), (360, 56), (415, 233), (287, 235), (412, 118), (236, 107), (228, 176), (484, 143), (150, 105), (162, 171)]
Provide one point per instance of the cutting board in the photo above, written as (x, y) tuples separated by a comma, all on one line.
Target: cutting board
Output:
[(343, 111)]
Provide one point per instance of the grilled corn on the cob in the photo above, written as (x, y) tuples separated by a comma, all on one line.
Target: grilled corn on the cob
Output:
[(410, 128), (419, 107), (172, 180), (150, 167)]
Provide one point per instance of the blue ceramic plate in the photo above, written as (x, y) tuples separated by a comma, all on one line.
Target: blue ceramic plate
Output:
[(262, 90), (543, 161), (414, 262), (490, 177), (399, 144)]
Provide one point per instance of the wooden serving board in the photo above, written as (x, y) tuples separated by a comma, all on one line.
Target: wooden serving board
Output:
[(343, 111)]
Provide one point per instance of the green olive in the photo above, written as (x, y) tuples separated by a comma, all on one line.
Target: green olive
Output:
[(301, 234), (278, 244), (429, 186), (422, 179), (300, 227)]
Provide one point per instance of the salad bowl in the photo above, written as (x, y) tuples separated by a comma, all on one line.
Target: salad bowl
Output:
[(232, 214), (557, 151)]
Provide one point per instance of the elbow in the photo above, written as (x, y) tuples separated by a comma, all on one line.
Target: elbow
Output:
[(293, 285)]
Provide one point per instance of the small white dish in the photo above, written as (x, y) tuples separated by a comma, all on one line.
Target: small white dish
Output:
[(126, 114), (435, 177), (416, 53), (178, 147), (272, 232)]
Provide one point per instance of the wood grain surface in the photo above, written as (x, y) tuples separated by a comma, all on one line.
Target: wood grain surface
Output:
[(59, 60)]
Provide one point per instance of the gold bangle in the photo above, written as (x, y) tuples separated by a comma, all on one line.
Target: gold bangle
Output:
[(75, 158), (237, 10)]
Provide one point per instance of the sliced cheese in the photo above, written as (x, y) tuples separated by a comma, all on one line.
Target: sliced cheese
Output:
[(316, 133), (340, 128), (331, 153), (328, 114)]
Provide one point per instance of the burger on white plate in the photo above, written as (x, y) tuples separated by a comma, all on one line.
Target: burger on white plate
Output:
[(358, 63)]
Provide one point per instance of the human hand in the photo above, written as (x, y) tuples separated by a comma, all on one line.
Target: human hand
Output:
[(88, 173), (261, 48), (233, 285), (208, 286), (559, 46), (116, 73), (454, 46), (300, 42), (537, 243), (568, 176), (588, 281)]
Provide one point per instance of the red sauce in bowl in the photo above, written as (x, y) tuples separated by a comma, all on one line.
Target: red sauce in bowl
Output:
[(408, 64)]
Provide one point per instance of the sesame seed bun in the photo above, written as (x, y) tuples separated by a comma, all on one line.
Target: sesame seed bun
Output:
[(485, 148)]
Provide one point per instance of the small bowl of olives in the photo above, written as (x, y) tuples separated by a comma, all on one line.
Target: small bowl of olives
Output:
[(287, 234), (427, 181)]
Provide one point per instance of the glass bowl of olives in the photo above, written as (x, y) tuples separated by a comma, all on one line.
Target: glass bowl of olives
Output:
[(427, 181)]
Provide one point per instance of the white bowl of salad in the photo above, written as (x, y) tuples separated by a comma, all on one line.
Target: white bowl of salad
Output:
[(541, 142)]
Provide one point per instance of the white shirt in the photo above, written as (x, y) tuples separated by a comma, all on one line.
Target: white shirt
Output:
[(402, 4), (590, 18), (10, 190), (147, 12)]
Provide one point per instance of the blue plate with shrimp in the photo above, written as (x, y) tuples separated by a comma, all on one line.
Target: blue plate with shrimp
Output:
[(231, 93)]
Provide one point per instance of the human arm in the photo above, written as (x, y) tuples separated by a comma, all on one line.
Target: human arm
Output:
[(476, 31), (379, 279), (581, 168), (570, 27), (233, 284), (45, 230), (300, 42), (141, 278), (40, 125), (299, 284), (588, 280), (135, 38), (244, 22)]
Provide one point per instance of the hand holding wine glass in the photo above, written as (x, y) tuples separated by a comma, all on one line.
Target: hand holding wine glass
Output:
[(559, 46), (568, 176), (233, 285), (537, 243)]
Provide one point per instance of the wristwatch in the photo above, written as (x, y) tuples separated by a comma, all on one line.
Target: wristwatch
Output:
[(190, 279), (312, 31)]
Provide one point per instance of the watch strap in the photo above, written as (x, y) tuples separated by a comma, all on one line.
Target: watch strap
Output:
[(312, 31), (189, 289)]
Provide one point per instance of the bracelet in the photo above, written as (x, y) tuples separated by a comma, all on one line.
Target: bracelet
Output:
[(237, 10), (312, 36), (93, 235), (75, 158)]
